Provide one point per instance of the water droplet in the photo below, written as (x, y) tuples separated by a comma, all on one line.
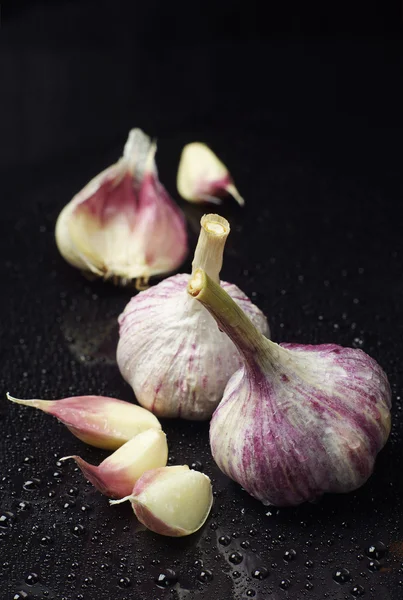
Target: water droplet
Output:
[(205, 576), (235, 558), (309, 585), (197, 465), (260, 573), (374, 565), (7, 519), (290, 555), (21, 596), (341, 576), (166, 579), (250, 593), (224, 540), (78, 530), (357, 591), (32, 578), (198, 564), (124, 582), (236, 574), (309, 564), (45, 540), (377, 550), (31, 484), (23, 505), (285, 584), (245, 544)]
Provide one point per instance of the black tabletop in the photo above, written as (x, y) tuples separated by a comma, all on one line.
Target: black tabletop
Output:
[(311, 128)]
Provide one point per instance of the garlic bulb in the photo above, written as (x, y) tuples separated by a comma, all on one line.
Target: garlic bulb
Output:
[(123, 225), (97, 420), (202, 177), (172, 501), (117, 474), (296, 420), (170, 351)]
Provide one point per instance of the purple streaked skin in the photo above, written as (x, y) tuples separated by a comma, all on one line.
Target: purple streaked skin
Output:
[(111, 482), (97, 420), (195, 360), (296, 421)]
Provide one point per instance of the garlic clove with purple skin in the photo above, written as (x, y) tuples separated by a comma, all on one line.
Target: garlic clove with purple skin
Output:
[(170, 351), (172, 501), (97, 420), (202, 177), (296, 421), (117, 474), (123, 225)]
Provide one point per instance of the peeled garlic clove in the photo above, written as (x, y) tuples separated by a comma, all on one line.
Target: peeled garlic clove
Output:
[(202, 177), (117, 474), (296, 421), (170, 350), (172, 501), (97, 420), (123, 225)]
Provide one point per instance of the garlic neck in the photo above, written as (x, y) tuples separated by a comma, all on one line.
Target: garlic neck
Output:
[(258, 351), (210, 246)]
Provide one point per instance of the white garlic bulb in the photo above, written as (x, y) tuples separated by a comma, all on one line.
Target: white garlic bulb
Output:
[(202, 177), (170, 350), (123, 225)]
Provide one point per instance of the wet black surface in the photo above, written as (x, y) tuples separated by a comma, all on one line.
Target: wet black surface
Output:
[(312, 133)]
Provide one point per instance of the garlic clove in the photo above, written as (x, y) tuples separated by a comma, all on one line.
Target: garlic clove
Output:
[(97, 420), (123, 225), (296, 421), (170, 350), (202, 177), (117, 474), (172, 501)]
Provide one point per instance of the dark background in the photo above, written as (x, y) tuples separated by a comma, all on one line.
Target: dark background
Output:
[(305, 105)]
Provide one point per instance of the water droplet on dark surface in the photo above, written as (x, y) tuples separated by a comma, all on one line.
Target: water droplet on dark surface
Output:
[(309, 585), (235, 558), (32, 578), (45, 540), (290, 555), (166, 579), (357, 591), (374, 565), (377, 550), (21, 596), (205, 576), (7, 519), (224, 540), (31, 485), (250, 593), (341, 576), (260, 573), (23, 505), (236, 574), (309, 564), (285, 584), (197, 465), (124, 582), (78, 530)]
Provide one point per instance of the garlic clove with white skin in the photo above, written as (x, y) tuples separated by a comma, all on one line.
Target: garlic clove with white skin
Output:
[(170, 351), (172, 501), (296, 421), (117, 474), (202, 177), (97, 420), (123, 225)]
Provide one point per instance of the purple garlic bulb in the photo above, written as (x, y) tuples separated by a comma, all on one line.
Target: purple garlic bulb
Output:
[(296, 421), (177, 362)]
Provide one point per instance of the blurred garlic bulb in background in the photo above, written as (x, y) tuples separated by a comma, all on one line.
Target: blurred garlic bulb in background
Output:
[(170, 350), (202, 177), (123, 225)]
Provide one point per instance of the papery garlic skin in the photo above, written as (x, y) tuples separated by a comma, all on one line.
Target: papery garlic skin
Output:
[(296, 421), (170, 350), (100, 421), (123, 225), (172, 501), (117, 474), (202, 177)]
